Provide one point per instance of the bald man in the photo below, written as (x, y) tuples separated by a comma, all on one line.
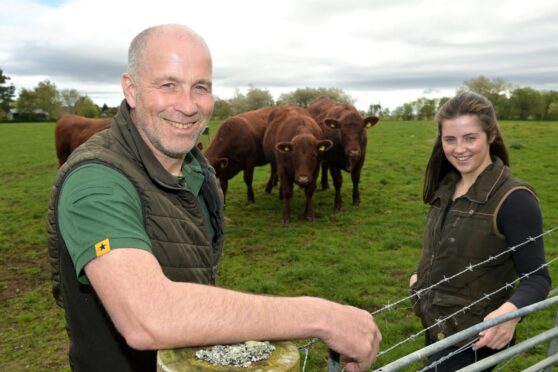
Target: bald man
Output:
[(135, 231)]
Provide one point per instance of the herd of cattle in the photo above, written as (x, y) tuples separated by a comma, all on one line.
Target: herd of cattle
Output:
[(293, 140)]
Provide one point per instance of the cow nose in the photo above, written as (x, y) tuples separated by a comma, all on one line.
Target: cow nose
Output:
[(303, 180)]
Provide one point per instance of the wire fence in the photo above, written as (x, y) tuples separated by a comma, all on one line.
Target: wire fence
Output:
[(333, 362), (464, 335)]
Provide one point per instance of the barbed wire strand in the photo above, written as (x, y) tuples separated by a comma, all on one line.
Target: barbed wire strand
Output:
[(465, 308), (306, 347), (449, 355), (470, 267)]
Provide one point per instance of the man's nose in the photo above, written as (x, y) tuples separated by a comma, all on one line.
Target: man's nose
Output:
[(186, 103)]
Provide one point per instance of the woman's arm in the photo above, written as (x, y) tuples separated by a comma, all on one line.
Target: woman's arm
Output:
[(519, 219)]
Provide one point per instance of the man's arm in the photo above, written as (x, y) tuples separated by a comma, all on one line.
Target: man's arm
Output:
[(152, 312)]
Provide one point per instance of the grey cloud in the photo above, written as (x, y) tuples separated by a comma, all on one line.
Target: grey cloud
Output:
[(86, 66)]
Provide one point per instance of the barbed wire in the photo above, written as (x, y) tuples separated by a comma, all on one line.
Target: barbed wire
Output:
[(469, 267), (389, 306), (468, 307), (449, 355)]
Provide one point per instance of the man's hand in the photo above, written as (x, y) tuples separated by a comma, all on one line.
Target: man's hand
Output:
[(498, 336), (355, 336)]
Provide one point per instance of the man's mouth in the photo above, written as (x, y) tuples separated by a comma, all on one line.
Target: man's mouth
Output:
[(181, 125)]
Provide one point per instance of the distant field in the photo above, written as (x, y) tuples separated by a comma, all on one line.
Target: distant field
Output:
[(360, 256)]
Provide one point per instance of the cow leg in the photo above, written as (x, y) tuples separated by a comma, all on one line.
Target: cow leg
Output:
[(325, 184), (272, 179), (309, 212), (337, 183), (286, 190), (248, 177), (224, 186), (355, 176)]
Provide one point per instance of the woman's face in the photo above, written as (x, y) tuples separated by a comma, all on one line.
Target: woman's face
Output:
[(466, 145)]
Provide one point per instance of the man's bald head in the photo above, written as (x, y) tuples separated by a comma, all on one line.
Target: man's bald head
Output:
[(139, 44)]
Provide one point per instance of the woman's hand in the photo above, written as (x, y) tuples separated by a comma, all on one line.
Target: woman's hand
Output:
[(413, 279), (498, 336)]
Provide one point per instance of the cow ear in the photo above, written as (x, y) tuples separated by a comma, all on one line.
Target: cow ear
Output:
[(324, 145), (284, 147), (332, 123), (370, 121), (223, 163)]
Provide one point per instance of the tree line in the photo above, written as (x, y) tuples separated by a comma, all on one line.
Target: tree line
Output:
[(510, 103), (46, 102)]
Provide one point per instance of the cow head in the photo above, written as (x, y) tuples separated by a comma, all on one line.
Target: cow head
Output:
[(350, 132), (305, 152)]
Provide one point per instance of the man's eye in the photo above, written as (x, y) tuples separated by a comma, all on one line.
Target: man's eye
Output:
[(203, 88), (168, 85)]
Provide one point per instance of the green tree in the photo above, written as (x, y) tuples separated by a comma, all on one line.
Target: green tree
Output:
[(303, 96), (44, 99), (7, 92), (404, 112), (86, 107), (488, 88), (238, 102), (552, 111), (27, 102), (527, 103), (495, 90), (222, 109), (385, 113), (48, 99), (257, 98), (70, 98), (374, 109), (550, 99), (425, 108), (254, 99)]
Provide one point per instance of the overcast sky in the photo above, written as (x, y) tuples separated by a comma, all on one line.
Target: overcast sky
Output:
[(378, 51)]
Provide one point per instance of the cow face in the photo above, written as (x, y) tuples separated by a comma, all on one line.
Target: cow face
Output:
[(304, 152), (350, 132)]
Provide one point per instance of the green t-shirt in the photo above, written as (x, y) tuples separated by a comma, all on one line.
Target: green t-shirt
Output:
[(100, 210)]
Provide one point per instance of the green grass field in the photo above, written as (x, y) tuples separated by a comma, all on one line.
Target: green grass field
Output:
[(361, 256)]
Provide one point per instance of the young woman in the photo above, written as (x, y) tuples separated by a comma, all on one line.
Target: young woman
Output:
[(478, 210)]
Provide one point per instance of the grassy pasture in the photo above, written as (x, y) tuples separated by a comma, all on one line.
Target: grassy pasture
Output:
[(360, 256)]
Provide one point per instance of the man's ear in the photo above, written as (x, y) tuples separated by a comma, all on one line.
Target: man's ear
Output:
[(129, 88)]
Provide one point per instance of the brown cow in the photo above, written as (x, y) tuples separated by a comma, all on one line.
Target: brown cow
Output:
[(346, 127), (293, 145), (73, 130), (238, 146)]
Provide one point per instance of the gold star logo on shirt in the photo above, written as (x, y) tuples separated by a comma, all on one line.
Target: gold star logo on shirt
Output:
[(102, 247)]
